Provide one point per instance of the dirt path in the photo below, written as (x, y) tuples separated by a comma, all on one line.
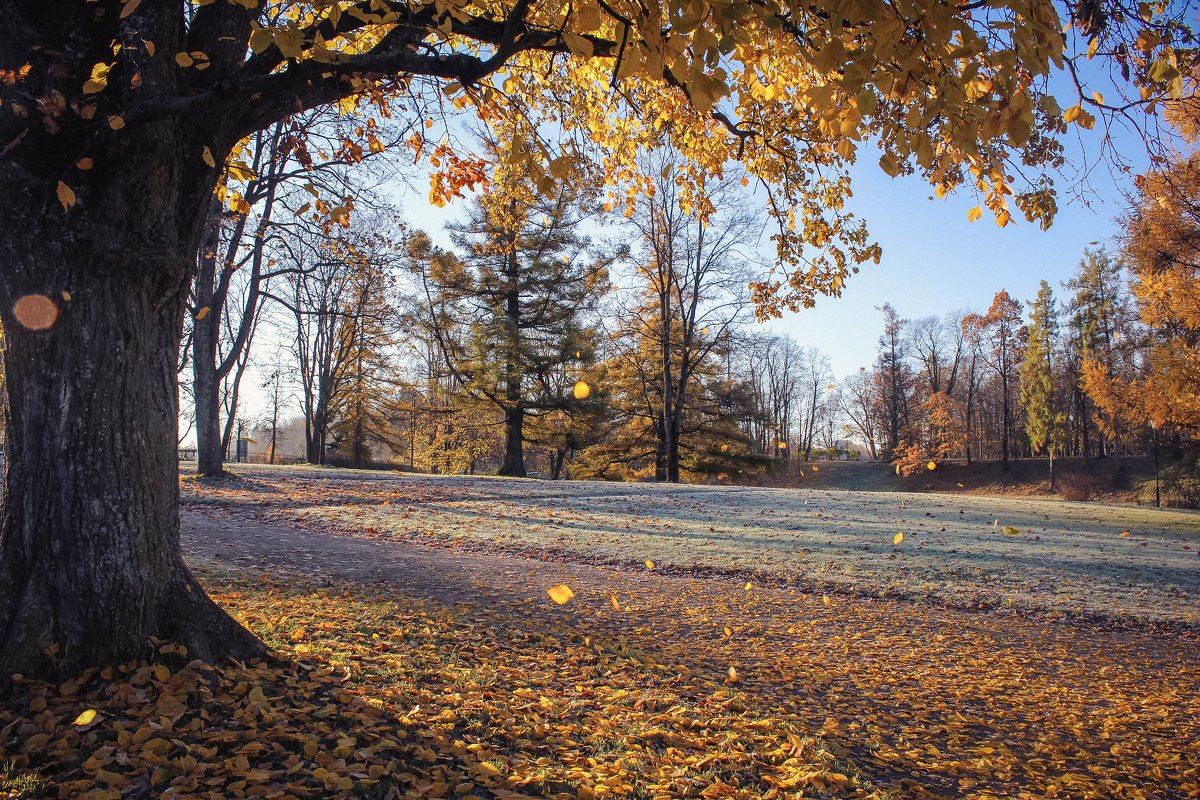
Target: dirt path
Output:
[(963, 704)]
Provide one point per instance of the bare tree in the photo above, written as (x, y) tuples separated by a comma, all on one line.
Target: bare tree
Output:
[(690, 275)]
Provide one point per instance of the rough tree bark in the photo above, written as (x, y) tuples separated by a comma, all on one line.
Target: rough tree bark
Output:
[(110, 149), (90, 564)]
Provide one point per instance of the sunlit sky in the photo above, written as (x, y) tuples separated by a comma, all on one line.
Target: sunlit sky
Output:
[(934, 260)]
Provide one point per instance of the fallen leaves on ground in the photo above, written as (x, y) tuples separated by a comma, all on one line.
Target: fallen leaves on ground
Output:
[(972, 705), (394, 698)]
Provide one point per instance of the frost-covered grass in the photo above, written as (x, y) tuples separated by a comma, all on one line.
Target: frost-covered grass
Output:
[(1058, 556)]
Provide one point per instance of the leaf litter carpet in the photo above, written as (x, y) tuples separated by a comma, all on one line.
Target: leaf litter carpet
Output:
[(925, 700)]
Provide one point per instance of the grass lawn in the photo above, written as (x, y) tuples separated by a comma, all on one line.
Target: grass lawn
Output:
[(1123, 562)]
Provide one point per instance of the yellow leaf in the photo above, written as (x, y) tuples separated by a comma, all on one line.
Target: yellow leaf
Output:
[(815, 468), (116, 122), (612, 598), (560, 593), (84, 163), (931, 466), (749, 586), (649, 564), (898, 538), (85, 717), (260, 40), (825, 599), (128, 7), (1009, 530), (1124, 535), (733, 674), (728, 632), (202, 313), (208, 157), (184, 59), (581, 391), (974, 214), (66, 195), (66, 296)]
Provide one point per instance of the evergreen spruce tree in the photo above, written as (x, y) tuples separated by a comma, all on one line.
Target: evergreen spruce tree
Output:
[(527, 281), (1045, 423)]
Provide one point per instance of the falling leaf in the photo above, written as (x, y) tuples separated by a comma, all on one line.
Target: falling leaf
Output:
[(85, 718), (66, 195), (128, 7), (116, 122), (749, 586), (649, 564), (931, 466), (898, 538), (612, 598), (815, 468), (560, 593), (202, 313), (996, 524), (733, 674), (208, 157), (1124, 535), (84, 163), (66, 296), (581, 391), (961, 486)]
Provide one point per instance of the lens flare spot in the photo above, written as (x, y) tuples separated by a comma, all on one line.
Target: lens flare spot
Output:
[(36, 312)]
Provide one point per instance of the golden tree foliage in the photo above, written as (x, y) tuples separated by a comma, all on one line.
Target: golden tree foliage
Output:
[(1163, 247), (954, 92), (936, 434)]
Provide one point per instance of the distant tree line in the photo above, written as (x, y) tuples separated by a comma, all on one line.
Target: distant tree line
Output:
[(528, 346)]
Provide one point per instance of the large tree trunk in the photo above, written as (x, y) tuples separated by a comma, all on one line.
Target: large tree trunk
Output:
[(90, 563), (514, 443), (89, 545), (673, 455)]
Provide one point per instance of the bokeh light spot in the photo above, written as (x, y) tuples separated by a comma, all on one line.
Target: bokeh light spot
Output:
[(36, 312)]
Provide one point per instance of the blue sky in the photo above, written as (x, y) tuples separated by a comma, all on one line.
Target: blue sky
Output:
[(934, 260)]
